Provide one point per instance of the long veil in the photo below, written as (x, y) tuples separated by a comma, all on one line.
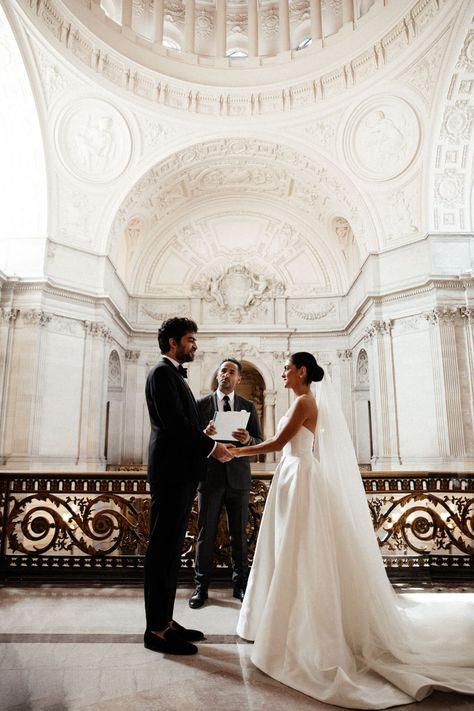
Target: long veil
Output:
[(414, 646)]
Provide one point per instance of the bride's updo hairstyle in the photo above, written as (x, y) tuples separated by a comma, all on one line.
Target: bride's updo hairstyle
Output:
[(314, 372)]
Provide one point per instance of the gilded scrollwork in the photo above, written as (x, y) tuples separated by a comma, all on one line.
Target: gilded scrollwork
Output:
[(100, 522), (423, 522)]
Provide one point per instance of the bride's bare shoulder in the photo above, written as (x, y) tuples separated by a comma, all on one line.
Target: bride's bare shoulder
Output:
[(307, 400)]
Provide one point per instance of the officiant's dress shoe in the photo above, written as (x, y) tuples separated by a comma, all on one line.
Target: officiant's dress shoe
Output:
[(170, 643), (187, 634), (197, 599), (239, 593)]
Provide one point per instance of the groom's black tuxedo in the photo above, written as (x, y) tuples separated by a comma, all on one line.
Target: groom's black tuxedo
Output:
[(177, 461), (225, 484), (178, 447)]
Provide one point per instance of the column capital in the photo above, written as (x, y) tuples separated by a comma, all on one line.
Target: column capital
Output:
[(378, 328), (9, 314), (132, 356), (35, 317), (344, 354)]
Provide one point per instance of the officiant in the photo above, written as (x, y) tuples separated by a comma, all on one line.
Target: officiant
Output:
[(226, 484)]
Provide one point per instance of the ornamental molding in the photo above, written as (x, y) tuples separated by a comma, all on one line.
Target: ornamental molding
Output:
[(307, 315), (55, 21), (163, 315)]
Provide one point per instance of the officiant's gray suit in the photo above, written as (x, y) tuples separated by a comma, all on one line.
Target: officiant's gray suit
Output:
[(226, 484)]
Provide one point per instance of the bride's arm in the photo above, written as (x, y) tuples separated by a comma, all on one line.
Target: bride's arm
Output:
[(301, 411)]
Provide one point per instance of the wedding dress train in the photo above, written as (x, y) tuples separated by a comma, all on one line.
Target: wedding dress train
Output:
[(319, 607)]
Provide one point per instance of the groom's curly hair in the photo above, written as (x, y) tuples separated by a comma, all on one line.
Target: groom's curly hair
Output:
[(174, 328)]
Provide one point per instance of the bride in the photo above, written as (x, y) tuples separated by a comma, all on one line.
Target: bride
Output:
[(319, 607)]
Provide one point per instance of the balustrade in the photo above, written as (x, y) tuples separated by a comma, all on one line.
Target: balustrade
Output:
[(64, 526)]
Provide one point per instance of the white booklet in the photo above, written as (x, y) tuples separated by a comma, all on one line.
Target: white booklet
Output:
[(227, 422)]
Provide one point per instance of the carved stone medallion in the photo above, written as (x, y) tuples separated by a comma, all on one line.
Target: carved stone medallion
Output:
[(93, 140), (382, 138)]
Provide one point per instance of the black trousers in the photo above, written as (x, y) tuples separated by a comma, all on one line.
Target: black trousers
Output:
[(169, 515), (236, 502)]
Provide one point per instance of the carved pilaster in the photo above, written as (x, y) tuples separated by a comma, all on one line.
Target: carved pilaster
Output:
[(270, 398), (345, 366), (447, 387), (378, 336)]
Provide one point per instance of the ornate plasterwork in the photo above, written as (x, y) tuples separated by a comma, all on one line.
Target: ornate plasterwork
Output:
[(453, 165), (382, 138), (93, 140), (400, 212), (56, 21), (115, 371), (253, 167), (237, 291), (425, 73), (205, 248), (308, 314)]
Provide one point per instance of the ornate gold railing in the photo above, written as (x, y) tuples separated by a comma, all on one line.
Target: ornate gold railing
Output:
[(67, 526)]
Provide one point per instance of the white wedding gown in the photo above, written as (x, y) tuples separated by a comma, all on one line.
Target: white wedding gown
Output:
[(319, 606)]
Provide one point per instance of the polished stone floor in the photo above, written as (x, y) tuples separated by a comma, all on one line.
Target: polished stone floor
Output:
[(70, 648)]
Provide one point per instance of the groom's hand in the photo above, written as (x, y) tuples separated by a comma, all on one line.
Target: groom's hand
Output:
[(221, 453)]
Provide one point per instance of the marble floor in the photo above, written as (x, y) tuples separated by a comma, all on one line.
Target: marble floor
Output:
[(65, 648)]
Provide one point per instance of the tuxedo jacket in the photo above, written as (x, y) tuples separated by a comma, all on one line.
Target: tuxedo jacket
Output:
[(237, 471), (178, 448)]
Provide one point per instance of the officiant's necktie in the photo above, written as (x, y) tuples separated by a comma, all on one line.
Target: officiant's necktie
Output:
[(227, 407), (182, 371)]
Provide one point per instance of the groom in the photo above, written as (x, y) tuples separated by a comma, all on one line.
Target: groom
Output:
[(178, 453)]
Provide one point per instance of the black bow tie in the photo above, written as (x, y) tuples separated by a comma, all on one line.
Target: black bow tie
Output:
[(182, 371)]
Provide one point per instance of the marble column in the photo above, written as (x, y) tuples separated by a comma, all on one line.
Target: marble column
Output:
[(383, 394), (158, 21), (221, 28), (284, 19), (345, 367), (467, 316), (127, 13), (269, 403), (133, 418), (348, 11), (252, 19), (449, 415), (8, 317), (316, 19), (90, 447), (189, 25)]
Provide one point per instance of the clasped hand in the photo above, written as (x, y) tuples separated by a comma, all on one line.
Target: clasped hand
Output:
[(226, 452)]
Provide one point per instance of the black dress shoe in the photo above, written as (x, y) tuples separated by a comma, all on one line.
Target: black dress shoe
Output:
[(197, 599), (170, 643), (187, 635), (239, 593)]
